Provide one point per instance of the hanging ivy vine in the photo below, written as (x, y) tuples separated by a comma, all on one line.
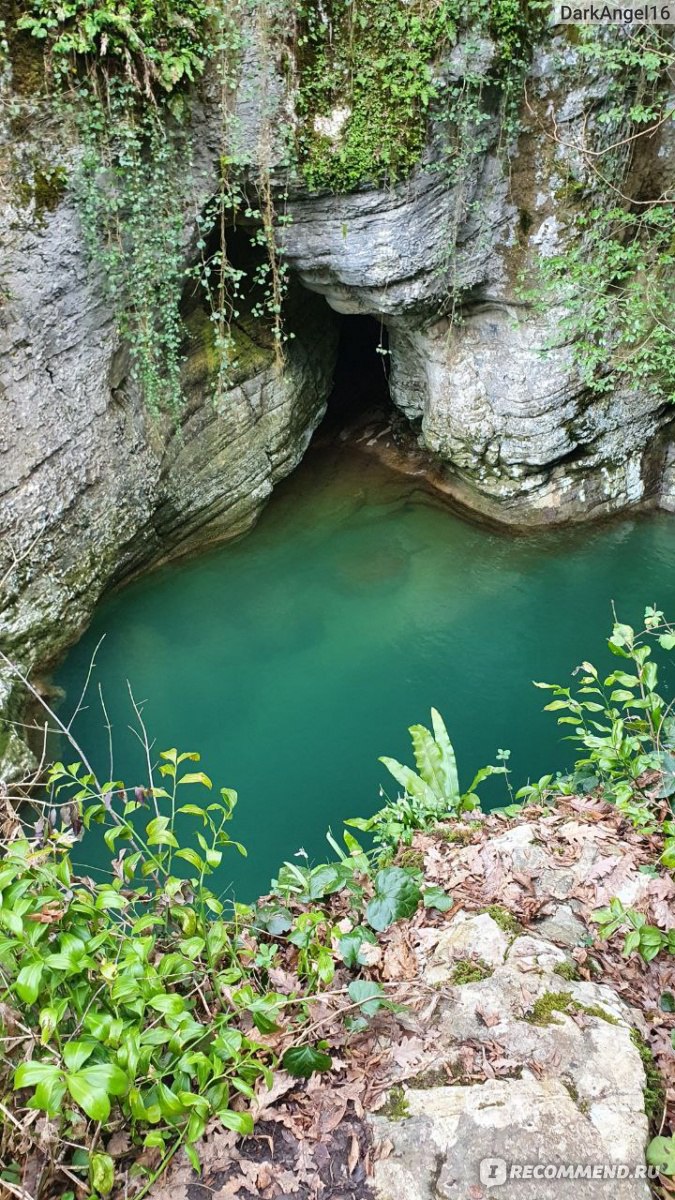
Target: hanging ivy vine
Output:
[(120, 72), (617, 279)]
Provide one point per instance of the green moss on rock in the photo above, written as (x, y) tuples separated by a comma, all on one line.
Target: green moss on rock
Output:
[(654, 1092), (397, 1107), (43, 191), (504, 919), (25, 54), (365, 85), (543, 1009), (566, 970), (252, 350), (471, 970)]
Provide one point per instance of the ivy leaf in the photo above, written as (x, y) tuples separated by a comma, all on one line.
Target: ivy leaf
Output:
[(435, 897), (396, 896), (303, 1061), (368, 994), (350, 946), (274, 921)]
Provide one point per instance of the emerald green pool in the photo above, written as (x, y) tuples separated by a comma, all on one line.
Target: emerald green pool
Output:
[(296, 656)]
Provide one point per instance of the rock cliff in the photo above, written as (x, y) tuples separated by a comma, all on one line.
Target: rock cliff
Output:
[(92, 487)]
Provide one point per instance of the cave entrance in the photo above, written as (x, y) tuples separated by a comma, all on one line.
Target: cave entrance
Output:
[(361, 380)]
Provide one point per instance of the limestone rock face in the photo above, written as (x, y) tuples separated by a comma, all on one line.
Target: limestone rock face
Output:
[(91, 485), (574, 1098), (92, 488), (497, 395)]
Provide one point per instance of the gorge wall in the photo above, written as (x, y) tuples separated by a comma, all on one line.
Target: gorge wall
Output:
[(94, 487)]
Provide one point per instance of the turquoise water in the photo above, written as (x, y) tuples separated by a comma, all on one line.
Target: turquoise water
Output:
[(295, 657)]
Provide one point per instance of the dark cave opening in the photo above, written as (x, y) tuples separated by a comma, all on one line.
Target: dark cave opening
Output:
[(361, 380), (360, 387)]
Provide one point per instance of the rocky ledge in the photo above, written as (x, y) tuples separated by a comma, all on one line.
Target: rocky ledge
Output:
[(521, 1041)]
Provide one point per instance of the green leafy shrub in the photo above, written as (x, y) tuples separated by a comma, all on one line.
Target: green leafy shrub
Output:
[(158, 43), (647, 940), (625, 724), (378, 67), (134, 1000)]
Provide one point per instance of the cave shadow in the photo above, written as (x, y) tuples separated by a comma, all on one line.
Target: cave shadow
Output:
[(361, 379)]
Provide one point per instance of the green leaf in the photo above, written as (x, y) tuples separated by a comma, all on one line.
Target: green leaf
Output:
[(410, 782), (170, 1104), (661, 1153), (396, 896), (191, 856), (75, 1054), (350, 945), (303, 1061), (368, 994), (196, 777), (27, 984), (48, 1096), (667, 1002), (193, 1159), (101, 1173), (108, 1076), (159, 834), (448, 759), (240, 1122), (435, 897), (668, 857), (30, 1073), (167, 1003), (11, 921), (93, 1101), (428, 759)]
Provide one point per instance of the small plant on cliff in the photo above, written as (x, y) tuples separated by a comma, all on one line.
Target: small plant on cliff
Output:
[(430, 793), (625, 724), (123, 75), (370, 75)]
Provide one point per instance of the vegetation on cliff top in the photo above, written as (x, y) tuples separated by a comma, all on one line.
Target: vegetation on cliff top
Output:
[(145, 1003), (369, 82)]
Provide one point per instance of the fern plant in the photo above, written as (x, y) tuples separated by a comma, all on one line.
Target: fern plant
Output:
[(435, 784), (430, 793)]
